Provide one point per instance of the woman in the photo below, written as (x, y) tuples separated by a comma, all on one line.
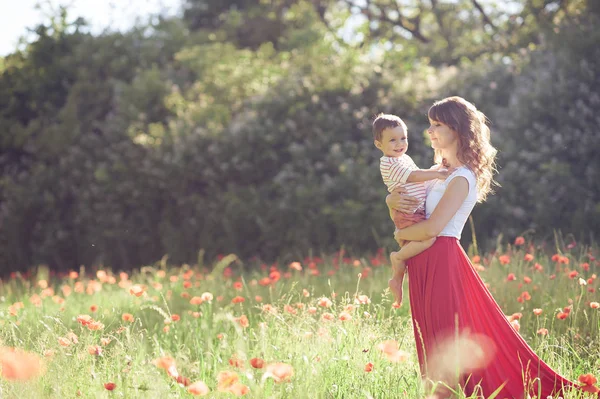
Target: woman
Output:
[(457, 324)]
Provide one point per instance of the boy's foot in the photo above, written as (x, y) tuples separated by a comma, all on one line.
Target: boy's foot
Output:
[(395, 285), (397, 280)]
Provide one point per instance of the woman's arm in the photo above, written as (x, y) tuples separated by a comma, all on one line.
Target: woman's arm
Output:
[(453, 198)]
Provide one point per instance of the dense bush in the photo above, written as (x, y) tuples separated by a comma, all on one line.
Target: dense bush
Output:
[(161, 141)]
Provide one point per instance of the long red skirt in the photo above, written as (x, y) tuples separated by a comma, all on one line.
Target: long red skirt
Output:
[(450, 304)]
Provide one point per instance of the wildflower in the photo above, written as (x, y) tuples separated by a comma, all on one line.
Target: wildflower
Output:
[(392, 352), (537, 311), (542, 331), (587, 381), (582, 281), (196, 300), (238, 286), (236, 362), (257, 363), (167, 363), (369, 367), (95, 326), (585, 266), (136, 290), (345, 316), (226, 379), (268, 308), (93, 308), (280, 372), (296, 266), (527, 280), (516, 325), (18, 365), (183, 380), (243, 321), (519, 240), (110, 386), (258, 298), (264, 281), (327, 316), (511, 277), (62, 341), (325, 302), (198, 388), (528, 257), (573, 274), (594, 305), (84, 319), (128, 317), (175, 317), (476, 259), (562, 315), (504, 259), (207, 297), (95, 350), (238, 299), (287, 308), (362, 300)]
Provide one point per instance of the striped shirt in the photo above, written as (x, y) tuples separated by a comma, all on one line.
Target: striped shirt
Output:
[(395, 172)]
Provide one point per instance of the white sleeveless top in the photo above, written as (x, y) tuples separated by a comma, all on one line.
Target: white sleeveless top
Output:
[(435, 192)]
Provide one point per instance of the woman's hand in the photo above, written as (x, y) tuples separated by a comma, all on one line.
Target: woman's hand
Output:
[(402, 202)]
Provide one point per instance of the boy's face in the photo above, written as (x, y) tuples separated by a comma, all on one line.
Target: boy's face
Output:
[(394, 142)]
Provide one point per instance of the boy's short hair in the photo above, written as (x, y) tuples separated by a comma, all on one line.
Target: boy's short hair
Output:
[(386, 121)]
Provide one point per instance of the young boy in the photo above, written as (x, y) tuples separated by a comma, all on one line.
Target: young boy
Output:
[(399, 170)]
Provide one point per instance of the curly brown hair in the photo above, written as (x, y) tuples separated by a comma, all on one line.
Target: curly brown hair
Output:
[(475, 149)]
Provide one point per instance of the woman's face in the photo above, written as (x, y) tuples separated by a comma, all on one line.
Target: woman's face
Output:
[(442, 136)]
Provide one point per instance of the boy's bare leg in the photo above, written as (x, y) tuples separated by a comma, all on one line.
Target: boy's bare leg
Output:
[(398, 271), (398, 260)]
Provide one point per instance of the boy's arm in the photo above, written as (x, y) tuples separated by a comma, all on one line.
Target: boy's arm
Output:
[(422, 175)]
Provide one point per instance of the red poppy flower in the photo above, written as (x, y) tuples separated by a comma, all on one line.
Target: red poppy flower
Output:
[(128, 317), (110, 386), (280, 372), (198, 388), (587, 381), (369, 367), (136, 290), (238, 285), (196, 300), (257, 363), (18, 365)]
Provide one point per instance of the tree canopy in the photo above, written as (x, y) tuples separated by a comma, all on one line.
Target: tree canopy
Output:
[(244, 126)]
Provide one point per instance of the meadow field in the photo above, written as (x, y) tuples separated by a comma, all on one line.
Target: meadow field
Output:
[(319, 327)]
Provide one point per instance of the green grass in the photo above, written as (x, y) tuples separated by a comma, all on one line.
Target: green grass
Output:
[(328, 356)]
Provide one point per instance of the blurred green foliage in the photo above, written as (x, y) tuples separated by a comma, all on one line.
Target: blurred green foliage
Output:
[(244, 126)]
